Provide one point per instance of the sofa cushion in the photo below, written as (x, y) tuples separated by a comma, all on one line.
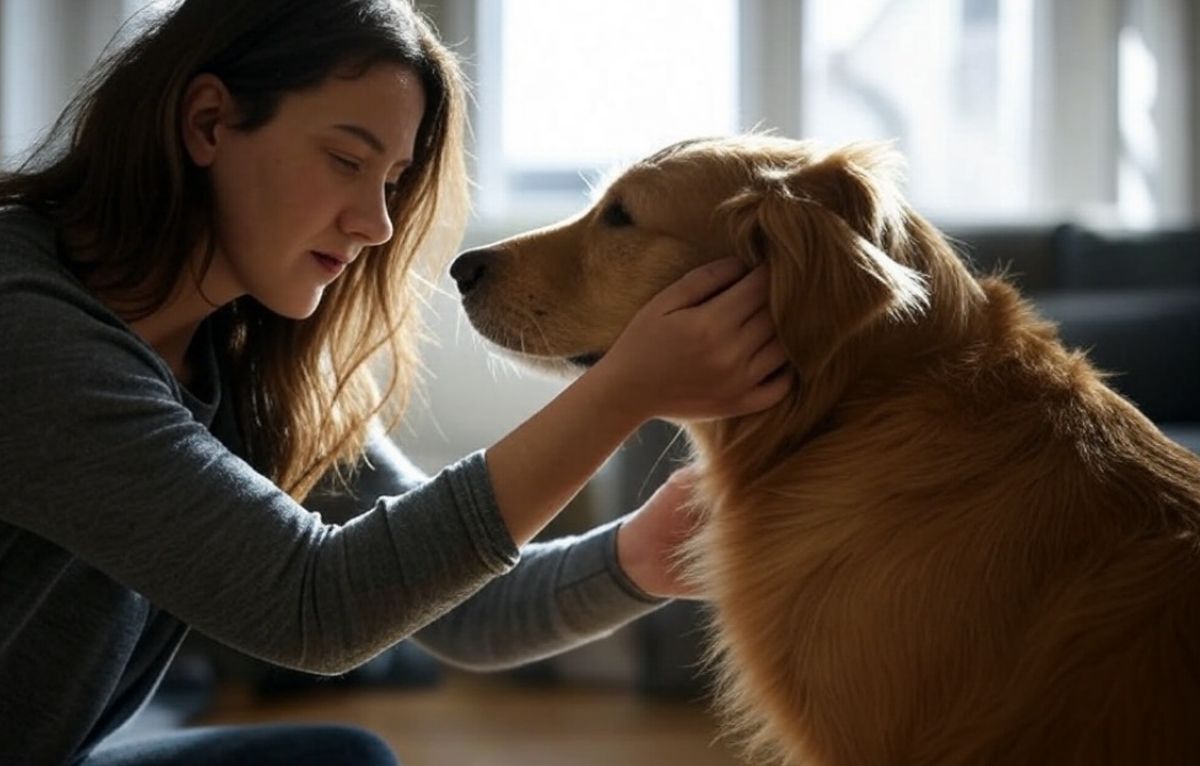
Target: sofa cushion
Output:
[(1121, 260), (1027, 254), (1148, 339)]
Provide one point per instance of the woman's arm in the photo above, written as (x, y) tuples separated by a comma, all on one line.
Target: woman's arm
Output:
[(99, 457), (573, 590), (563, 593), (689, 354)]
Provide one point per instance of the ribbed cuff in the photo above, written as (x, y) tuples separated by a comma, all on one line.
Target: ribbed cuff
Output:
[(592, 575), (472, 487)]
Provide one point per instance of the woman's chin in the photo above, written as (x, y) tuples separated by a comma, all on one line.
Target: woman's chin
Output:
[(293, 306)]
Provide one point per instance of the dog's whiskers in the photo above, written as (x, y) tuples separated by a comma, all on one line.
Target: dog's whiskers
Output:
[(657, 461), (540, 331)]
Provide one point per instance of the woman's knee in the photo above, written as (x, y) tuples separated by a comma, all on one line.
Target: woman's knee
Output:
[(254, 745), (340, 745)]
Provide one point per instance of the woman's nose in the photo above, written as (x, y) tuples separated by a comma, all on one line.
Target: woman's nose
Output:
[(369, 220)]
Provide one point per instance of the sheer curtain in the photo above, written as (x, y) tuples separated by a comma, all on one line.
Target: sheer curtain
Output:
[(1112, 79), (46, 46), (1008, 110)]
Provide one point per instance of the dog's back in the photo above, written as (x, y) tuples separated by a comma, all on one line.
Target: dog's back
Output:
[(983, 556)]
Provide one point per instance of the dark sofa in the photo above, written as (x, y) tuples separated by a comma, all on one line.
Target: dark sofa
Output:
[(1130, 299)]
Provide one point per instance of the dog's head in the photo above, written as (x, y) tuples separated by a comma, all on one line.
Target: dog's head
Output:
[(831, 226)]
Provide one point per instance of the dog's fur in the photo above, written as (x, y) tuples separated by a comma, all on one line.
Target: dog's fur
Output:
[(952, 544)]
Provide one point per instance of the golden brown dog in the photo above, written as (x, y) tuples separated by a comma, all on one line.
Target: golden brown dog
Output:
[(952, 544)]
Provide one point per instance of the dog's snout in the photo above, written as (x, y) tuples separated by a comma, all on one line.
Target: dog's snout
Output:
[(469, 269)]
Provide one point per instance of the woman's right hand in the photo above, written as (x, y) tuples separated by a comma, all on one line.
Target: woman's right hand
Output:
[(703, 348)]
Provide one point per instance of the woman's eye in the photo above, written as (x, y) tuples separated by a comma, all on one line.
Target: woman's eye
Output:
[(390, 190), (345, 162), (615, 214)]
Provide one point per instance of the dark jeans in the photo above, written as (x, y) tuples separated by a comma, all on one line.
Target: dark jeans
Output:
[(274, 745)]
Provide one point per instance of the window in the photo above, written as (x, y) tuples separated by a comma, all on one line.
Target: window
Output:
[(46, 46), (949, 81), (1006, 110), (567, 89)]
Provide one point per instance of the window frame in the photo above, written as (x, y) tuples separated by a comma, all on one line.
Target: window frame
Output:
[(1076, 143)]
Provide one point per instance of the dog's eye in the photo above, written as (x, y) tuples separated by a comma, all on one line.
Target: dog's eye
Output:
[(615, 214)]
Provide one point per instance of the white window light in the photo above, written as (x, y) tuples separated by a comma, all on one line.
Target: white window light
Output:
[(570, 88), (1007, 110)]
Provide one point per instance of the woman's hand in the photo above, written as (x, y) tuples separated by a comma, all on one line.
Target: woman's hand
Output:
[(703, 348), (649, 539), (700, 349)]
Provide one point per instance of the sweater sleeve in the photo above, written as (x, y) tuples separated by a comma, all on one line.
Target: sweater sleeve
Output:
[(563, 593), (99, 457)]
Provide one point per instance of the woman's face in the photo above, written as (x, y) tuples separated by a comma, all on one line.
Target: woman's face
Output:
[(300, 197)]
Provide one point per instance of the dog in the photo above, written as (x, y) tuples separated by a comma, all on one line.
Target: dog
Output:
[(952, 543)]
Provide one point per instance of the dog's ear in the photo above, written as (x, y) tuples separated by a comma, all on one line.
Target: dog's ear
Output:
[(858, 183), (818, 227)]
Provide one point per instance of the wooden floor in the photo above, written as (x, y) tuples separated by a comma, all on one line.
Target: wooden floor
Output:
[(484, 721)]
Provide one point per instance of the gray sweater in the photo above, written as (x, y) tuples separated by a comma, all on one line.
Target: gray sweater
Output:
[(128, 515)]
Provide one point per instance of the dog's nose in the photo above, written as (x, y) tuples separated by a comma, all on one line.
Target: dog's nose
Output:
[(468, 269)]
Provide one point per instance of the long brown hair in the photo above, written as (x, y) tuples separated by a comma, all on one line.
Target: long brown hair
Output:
[(113, 175)]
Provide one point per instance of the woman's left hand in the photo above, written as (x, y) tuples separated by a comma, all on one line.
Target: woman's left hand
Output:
[(649, 539)]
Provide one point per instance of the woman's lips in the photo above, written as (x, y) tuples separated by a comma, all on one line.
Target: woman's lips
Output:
[(329, 263)]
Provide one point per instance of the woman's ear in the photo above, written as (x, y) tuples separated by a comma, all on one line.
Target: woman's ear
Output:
[(207, 107), (828, 282)]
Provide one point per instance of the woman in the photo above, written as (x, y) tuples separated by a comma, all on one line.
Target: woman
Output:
[(195, 268)]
